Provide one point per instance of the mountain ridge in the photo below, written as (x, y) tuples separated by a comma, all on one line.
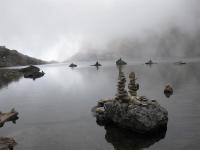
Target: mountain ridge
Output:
[(9, 58)]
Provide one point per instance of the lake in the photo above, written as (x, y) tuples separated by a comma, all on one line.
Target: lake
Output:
[(55, 110)]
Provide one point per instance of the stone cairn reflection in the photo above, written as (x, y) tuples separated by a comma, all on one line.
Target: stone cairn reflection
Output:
[(122, 94), (133, 86)]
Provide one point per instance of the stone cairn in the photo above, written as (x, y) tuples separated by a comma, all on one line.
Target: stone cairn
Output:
[(122, 94), (133, 86)]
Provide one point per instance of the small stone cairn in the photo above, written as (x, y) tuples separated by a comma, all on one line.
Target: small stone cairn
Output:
[(133, 86), (130, 111), (122, 94)]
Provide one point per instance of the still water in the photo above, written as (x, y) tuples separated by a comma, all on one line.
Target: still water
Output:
[(55, 110)]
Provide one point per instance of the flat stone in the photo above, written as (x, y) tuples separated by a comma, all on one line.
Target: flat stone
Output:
[(100, 110)]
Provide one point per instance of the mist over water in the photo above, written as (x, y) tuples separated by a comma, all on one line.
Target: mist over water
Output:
[(49, 29), (55, 110)]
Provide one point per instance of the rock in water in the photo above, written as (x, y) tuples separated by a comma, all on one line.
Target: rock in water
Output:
[(120, 62), (136, 113), (168, 91), (97, 64), (72, 65), (143, 117), (32, 72), (7, 143)]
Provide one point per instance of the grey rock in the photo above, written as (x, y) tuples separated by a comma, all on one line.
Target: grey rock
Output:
[(141, 117)]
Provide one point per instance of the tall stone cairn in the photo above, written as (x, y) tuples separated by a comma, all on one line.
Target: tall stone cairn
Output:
[(133, 86), (122, 94)]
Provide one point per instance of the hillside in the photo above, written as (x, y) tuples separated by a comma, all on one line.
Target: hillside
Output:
[(10, 58)]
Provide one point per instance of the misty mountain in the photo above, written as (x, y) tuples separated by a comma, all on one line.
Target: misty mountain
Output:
[(14, 58), (170, 43)]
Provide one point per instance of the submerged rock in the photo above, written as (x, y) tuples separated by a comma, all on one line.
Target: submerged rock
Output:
[(180, 63), (136, 113), (120, 62), (72, 65)]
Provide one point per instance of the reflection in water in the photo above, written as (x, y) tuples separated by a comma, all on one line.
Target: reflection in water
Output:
[(123, 139), (56, 108), (97, 67), (168, 94), (8, 76)]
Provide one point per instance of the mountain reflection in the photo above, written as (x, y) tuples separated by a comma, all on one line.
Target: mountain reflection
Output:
[(8, 76), (122, 139)]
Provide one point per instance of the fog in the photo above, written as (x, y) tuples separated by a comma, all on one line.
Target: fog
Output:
[(59, 29)]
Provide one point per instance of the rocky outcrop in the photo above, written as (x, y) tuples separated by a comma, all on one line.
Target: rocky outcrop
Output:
[(14, 58), (136, 113), (32, 72), (120, 62), (139, 115)]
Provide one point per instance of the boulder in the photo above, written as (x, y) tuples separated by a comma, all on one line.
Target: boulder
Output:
[(32, 72), (137, 115), (168, 89)]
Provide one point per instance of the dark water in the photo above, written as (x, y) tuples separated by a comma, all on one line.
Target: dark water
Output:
[(55, 110)]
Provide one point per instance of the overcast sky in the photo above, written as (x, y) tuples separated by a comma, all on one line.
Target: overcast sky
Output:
[(57, 29)]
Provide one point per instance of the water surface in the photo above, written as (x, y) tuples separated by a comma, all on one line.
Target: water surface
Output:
[(55, 110)]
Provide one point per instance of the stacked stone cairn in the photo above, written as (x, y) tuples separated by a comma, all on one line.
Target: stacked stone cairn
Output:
[(122, 94), (133, 86), (130, 111)]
